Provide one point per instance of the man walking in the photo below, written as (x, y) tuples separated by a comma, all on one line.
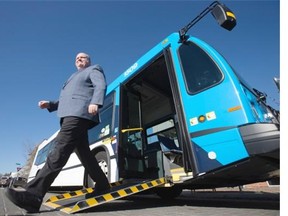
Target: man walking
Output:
[(80, 98)]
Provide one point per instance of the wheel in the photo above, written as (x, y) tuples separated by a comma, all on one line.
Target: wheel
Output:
[(168, 192), (104, 165)]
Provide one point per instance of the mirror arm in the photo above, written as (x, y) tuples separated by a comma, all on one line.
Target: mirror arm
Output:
[(183, 31)]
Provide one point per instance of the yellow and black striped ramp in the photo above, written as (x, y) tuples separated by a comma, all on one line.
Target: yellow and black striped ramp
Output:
[(78, 205), (77, 193)]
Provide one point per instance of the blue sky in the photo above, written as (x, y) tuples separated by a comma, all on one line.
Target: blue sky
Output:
[(39, 41)]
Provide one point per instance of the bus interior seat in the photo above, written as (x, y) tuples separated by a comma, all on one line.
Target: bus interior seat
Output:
[(168, 144), (170, 149)]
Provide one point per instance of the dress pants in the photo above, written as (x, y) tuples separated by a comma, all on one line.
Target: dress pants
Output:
[(73, 136)]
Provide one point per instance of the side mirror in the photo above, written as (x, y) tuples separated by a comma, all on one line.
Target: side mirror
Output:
[(224, 16)]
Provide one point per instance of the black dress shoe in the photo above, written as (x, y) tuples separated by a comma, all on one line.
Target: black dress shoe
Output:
[(28, 201)]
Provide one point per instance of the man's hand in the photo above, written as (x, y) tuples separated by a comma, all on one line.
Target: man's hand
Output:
[(93, 109), (44, 104)]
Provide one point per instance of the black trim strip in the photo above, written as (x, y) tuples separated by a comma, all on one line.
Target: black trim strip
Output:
[(210, 131)]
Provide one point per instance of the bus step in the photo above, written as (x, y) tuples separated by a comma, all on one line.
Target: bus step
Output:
[(75, 201)]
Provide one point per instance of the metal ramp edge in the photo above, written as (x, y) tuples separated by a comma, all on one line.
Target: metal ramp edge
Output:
[(76, 193), (83, 204)]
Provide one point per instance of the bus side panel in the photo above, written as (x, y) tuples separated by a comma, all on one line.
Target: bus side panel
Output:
[(72, 173), (219, 149), (34, 171), (219, 106)]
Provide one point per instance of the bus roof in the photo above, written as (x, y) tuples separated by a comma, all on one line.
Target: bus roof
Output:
[(142, 61)]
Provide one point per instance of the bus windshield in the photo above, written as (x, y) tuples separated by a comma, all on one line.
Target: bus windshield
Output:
[(200, 71)]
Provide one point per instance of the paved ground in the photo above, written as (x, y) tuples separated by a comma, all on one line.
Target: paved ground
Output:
[(227, 201)]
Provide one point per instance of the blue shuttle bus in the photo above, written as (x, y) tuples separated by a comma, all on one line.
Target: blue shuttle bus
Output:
[(181, 110)]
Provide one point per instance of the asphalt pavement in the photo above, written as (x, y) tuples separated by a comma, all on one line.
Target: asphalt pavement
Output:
[(222, 202)]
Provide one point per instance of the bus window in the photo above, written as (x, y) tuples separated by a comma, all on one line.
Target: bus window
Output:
[(199, 69), (43, 153), (103, 129)]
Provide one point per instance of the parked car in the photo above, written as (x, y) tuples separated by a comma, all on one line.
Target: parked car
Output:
[(4, 182)]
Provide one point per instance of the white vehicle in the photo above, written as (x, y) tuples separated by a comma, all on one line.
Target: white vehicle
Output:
[(4, 181), (102, 145)]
